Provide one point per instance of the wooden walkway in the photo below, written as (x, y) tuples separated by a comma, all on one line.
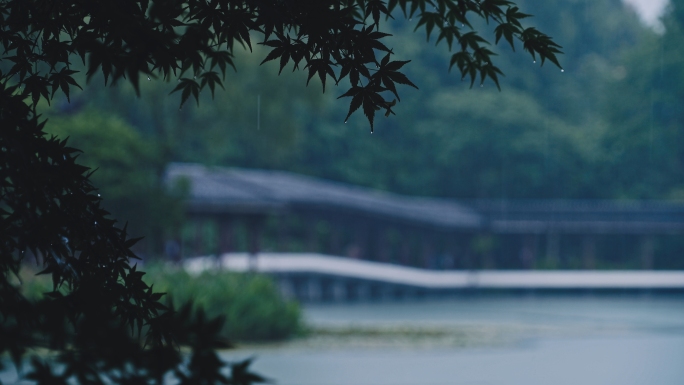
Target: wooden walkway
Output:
[(318, 265)]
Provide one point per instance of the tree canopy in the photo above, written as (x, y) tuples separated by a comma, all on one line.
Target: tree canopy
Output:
[(100, 307), (194, 41)]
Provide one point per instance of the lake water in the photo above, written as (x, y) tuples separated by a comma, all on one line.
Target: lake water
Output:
[(634, 340)]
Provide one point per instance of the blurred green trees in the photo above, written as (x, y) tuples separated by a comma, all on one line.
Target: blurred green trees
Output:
[(608, 127), (126, 168), (50, 209), (643, 103)]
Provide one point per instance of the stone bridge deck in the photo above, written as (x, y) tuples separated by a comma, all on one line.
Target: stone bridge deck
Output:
[(316, 276)]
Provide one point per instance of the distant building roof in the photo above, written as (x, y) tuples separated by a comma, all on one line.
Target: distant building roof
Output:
[(233, 190), (240, 190), (581, 216)]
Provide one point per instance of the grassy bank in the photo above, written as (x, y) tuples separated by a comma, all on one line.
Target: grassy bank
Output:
[(253, 307), (251, 304)]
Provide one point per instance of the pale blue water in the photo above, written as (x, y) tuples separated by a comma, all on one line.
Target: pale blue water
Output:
[(593, 341), (557, 341), (634, 360)]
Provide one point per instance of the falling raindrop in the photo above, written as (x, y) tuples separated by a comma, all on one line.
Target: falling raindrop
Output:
[(98, 195), (534, 62), (345, 122), (562, 70), (148, 79), (95, 222)]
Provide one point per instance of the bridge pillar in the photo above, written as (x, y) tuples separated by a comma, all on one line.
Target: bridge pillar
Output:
[(404, 247), (553, 249), (427, 252), (382, 247), (338, 290), (362, 290), (335, 245), (198, 243), (589, 252), (528, 251), (465, 259), (409, 292), (311, 234), (254, 227), (647, 250), (386, 291), (483, 247), (313, 289), (282, 233), (226, 233), (359, 248), (174, 245), (286, 287), (452, 251)]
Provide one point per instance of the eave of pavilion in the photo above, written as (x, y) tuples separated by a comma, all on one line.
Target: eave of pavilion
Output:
[(227, 191), (243, 192)]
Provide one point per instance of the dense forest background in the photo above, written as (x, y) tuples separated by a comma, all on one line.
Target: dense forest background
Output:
[(608, 127)]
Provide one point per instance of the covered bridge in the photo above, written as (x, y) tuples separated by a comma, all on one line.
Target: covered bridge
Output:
[(257, 210)]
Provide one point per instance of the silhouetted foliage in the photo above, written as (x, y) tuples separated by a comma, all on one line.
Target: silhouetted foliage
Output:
[(104, 323), (194, 40)]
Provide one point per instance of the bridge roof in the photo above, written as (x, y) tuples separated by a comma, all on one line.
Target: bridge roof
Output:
[(215, 189), (581, 216), (232, 190)]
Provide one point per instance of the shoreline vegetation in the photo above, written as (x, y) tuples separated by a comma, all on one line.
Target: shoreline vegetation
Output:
[(253, 308), (259, 318), (426, 337)]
